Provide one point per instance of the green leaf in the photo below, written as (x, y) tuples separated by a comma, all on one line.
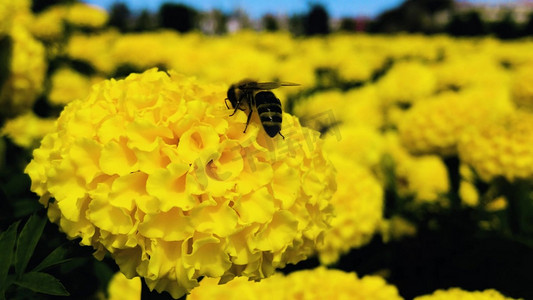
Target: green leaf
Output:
[(7, 240), (54, 258), (42, 283), (28, 238)]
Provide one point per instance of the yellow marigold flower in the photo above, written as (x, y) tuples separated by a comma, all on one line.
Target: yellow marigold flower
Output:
[(84, 15), (48, 25), (398, 86), (121, 288), (320, 283), (94, 49), (68, 85), (427, 178), (153, 170), (423, 177), (27, 71), (434, 126), (27, 130), (357, 107), (12, 11), (522, 89), (475, 68), (500, 148), (396, 228), (468, 194), (459, 294), (358, 205), (467, 191), (363, 145)]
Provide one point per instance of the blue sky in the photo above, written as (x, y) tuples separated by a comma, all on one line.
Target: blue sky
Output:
[(256, 9)]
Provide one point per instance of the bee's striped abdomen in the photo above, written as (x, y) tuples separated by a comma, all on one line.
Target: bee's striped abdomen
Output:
[(269, 110)]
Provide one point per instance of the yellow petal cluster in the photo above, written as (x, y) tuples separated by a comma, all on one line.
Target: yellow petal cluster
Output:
[(358, 205), (84, 15), (406, 82), (152, 170), (459, 294), (48, 24), (26, 73), (122, 288), (521, 88), (94, 49), (355, 108), (434, 126), (501, 149), (320, 283), (27, 130), (423, 177), (13, 12)]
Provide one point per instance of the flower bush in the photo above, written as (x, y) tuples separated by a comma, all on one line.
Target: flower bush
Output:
[(152, 170)]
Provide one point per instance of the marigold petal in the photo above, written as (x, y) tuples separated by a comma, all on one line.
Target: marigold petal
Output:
[(278, 233), (169, 186), (172, 225), (256, 207)]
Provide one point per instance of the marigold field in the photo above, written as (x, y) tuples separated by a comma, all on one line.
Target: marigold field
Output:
[(405, 169)]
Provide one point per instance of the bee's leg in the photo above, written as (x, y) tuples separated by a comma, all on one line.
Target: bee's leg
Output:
[(237, 106), (248, 120), (226, 102), (281, 135), (235, 110)]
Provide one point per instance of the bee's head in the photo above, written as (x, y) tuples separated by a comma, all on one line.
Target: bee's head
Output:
[(232, 95)]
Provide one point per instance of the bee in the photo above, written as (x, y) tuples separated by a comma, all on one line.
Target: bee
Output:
[(249, 94)]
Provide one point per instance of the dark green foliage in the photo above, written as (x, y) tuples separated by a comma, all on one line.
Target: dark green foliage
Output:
[(179, 17), (270, 23), (119, 17), (468, 24), (317, 21)]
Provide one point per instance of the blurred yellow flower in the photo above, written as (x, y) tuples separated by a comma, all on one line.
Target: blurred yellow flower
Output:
[(357, 107), (319, 283), (522, 87), (467, 190), (459, 294), (427, 178), (68, 85), (152, 170), (48, 25), (396, 228), (435, 126), (84, 15), (469, 68), (358, 205), (500, 148), (468, 193), (94, 49), (26, 73), (27, 130), (424, 177), (406, 82), (122, 288), (13, 12), (363, 145)]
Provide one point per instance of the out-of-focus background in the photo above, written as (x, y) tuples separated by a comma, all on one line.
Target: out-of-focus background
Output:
[(425, 108)]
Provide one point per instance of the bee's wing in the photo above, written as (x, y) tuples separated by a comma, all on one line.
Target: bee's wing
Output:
[(272, 85)]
